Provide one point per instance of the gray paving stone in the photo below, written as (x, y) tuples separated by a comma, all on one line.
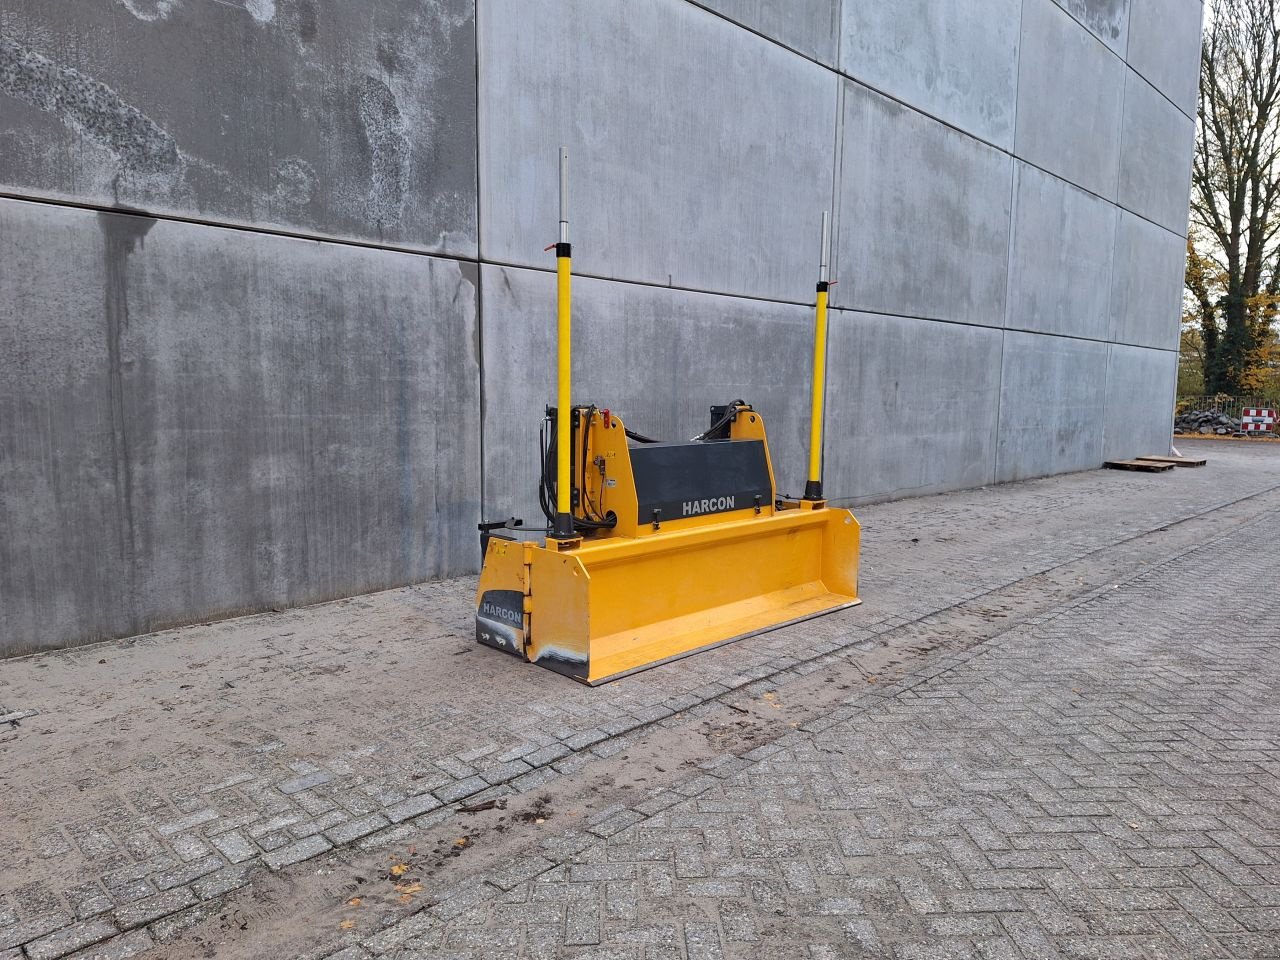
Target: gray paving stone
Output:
[(319, 825), (518, 871), (585, 738), (582, 925), (463, 788), (23, 931), (296, 852), (505, 771), (234, 847), (463, 897), (350, 953), (411, 807), (190, 821), (177, 876), (131, 944), (396, 936), (224, 881), (354, 830), (614, 822), (141, 912), (69, 939), (306, 782)]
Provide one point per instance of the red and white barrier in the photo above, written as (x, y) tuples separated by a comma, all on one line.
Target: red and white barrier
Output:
[(1258, 420)]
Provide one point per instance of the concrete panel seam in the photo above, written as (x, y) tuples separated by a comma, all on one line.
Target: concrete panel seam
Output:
[(398, 248), (805, 56), (220, 224), (1115, 246), (1008, 153), (809, 303), (1013, 131), (1015, 174), (719, 15), (995, 452), (1106, 387), (1122, 59), (983, 326)]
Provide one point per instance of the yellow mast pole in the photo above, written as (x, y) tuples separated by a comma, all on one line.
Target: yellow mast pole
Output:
[(562, 528), (813, 486)]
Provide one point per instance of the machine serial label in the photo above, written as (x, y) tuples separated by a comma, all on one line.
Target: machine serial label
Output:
[(693, 508)]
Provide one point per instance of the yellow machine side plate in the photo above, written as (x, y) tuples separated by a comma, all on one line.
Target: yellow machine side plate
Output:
[(615, 606)]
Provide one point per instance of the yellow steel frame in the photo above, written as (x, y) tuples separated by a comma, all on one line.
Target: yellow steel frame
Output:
[(604, 604), (633, 596)]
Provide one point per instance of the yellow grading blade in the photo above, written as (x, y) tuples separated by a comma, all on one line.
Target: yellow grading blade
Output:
[(614, 606)]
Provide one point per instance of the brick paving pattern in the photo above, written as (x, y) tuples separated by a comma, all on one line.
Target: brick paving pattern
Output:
[(1104, 782), (194, 819)]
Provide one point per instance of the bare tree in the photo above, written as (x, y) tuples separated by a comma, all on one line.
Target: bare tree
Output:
[(1233, 262)]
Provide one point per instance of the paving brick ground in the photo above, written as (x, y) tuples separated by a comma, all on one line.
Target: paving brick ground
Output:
[(157, 774), (1103, 782)]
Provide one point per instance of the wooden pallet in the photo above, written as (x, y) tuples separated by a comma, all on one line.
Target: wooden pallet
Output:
[(1146, 466), (1178, 461)]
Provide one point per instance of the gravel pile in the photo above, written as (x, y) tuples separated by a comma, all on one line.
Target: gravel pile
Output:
[(1205, 421)]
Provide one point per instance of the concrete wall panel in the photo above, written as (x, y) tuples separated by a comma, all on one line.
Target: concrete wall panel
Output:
[(701, 155), (810, 27), (1052, 392), (1146, 289), (198, 421), (1139, 411), (1108, 20), (321, 116), (199, 417), (1070, 95), (1155, 160), (658, 358), (924, 216), (1060, 266), (911, 406), (955, 59), (1164, 46)]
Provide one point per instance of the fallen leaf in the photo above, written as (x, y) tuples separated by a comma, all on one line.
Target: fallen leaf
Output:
[(400, 869), (414, 887), (347, 924), (354, 902)]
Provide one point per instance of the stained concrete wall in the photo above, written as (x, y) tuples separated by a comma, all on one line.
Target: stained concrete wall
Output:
[(198, 420), (275, 316)]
